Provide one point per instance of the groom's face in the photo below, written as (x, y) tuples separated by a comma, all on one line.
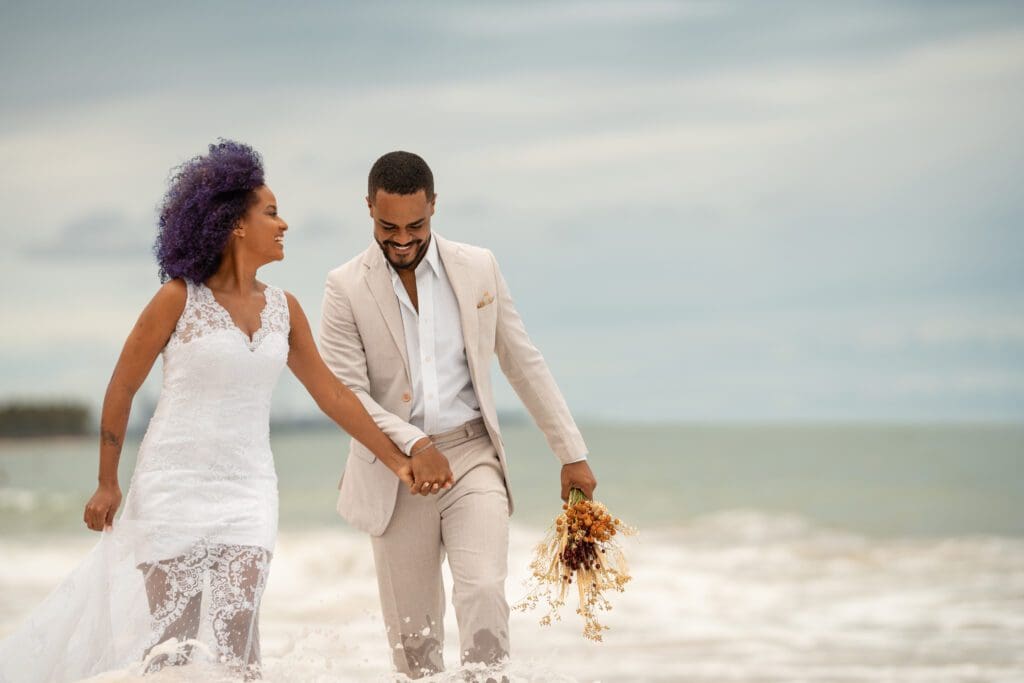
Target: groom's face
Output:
[(401, 226)]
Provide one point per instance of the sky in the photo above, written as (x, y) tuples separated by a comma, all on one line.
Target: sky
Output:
[(706, 211)]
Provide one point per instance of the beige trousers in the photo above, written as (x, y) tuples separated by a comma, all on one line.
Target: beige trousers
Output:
[(469, 523)]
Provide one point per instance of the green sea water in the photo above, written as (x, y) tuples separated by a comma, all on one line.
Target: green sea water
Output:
[(886, 480)]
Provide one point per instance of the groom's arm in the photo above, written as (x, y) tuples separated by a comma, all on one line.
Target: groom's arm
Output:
[(528, 373), (342, 349)]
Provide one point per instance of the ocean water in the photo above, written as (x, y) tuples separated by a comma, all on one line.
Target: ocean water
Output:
[(765, 553)]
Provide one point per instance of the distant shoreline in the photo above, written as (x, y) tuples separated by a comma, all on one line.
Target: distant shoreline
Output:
[(25, 419), (316, 424)]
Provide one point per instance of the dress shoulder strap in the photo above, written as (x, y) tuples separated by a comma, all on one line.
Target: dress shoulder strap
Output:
[(196, 318), (277, 316)]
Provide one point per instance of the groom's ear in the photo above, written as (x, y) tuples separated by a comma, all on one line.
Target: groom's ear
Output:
[(369, 205)]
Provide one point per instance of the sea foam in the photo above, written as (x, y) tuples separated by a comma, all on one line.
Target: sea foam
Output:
[(737, 596)]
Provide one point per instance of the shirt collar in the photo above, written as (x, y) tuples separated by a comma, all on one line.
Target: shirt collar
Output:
[(432, 257)]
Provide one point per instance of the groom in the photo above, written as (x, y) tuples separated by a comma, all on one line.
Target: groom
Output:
[(411, 326)]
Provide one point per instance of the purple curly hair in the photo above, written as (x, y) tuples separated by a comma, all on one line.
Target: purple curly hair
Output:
[(207, 197)]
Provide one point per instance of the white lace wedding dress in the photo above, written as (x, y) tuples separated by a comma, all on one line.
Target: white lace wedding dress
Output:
[(181, 574)]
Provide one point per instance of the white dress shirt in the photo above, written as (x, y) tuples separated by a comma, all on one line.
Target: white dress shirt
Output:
[(443, 396)]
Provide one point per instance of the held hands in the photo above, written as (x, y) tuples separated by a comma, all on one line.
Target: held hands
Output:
[(578, 475), (404, 473), (430, 469), (99, 511)]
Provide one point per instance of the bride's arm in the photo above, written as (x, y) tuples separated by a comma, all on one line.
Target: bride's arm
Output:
[(143, 345), (334, 398)]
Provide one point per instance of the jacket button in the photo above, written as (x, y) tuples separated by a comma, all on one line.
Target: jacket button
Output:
[(406, 397)]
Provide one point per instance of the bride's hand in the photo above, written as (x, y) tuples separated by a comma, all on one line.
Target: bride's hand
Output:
[(404, 474), (430, 469), (99, 511)]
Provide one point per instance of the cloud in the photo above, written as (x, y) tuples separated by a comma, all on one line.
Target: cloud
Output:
[(517, 20), (970, 330), (972, 382), (104, 234), (750, 212)]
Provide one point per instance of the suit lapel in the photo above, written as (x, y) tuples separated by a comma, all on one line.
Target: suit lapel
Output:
[(378, 279), (460, 277)]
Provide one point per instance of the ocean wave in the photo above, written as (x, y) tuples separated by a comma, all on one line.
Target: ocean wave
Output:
[(25, 501), (740, 595)]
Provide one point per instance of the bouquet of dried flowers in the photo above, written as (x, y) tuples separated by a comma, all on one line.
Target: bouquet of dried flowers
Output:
[(579, 548)]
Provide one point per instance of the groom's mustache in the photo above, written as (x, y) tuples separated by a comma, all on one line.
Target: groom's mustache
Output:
[(417, 246)]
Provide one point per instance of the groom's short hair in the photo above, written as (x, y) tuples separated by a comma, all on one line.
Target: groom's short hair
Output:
[(401, 173)]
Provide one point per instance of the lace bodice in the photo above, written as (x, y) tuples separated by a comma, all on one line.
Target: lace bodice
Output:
[(204, 315), (209, 437)]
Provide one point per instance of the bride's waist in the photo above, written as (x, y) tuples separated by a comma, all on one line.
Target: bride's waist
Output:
[(221, 452), (216, 433), (209, 418), (191, 477), (199, 471)]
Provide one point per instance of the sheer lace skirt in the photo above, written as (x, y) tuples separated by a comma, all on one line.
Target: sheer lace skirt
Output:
[(118, 612), (219, 585)]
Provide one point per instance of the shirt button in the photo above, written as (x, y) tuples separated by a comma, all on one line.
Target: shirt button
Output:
[(406, 397), (430, 358)]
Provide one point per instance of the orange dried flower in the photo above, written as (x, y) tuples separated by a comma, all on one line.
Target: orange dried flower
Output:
[(579, 546)]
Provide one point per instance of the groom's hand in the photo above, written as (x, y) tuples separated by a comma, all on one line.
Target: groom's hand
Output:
[(578, 475), (430, 469)]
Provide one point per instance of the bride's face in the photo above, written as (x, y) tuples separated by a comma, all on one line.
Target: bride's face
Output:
[(261, 230)]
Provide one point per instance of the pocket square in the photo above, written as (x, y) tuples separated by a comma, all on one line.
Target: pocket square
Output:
[(486, 299)]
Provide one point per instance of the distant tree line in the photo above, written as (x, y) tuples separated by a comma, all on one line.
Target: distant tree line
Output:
[(44, 419)]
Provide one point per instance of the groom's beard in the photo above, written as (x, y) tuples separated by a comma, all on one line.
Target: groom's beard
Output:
[(419, 253)]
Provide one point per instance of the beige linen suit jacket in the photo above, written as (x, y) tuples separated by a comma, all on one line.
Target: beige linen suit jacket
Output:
[(363, 342)]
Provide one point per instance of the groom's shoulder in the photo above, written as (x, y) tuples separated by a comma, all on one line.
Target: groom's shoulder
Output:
[(470, 252), (348, 270)]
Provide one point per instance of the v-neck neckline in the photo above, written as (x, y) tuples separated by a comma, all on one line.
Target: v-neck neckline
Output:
[(250, 340)]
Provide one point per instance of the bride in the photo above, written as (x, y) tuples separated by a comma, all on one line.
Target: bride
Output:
[(179, 576)]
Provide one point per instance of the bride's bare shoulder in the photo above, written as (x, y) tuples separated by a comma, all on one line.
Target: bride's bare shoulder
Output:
[(169, 301), (172, 291)]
